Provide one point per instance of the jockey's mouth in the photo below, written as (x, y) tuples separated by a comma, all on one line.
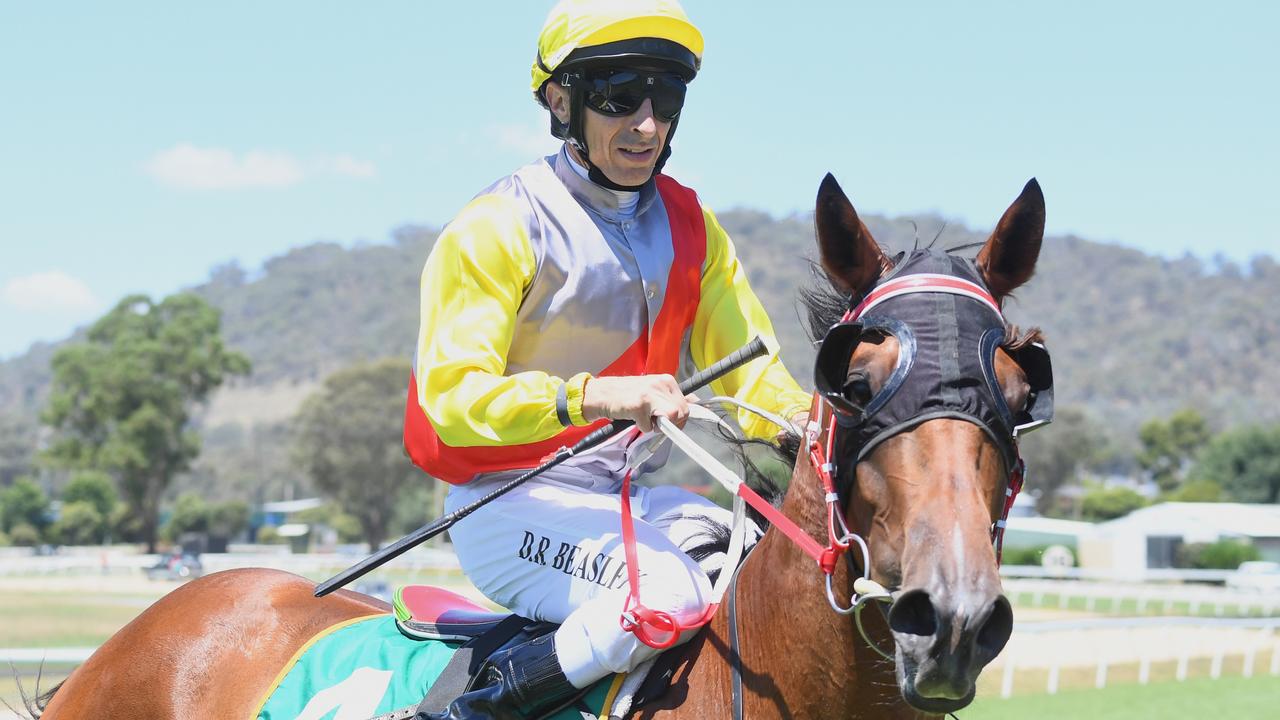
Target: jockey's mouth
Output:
[(642, 155)]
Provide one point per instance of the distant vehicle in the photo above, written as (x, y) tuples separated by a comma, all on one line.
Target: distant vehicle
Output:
[(1256, 576), (176, 566), (375, 588)]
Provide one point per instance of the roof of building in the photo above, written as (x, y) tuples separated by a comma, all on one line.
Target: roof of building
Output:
[(292, 506), (1175, 518), (1053, 526)]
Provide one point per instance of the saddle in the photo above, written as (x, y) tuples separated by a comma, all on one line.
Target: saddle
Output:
[(424, 612)]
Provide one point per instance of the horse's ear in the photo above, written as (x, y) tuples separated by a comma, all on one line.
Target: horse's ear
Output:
[(1009, 257), (849, 254)]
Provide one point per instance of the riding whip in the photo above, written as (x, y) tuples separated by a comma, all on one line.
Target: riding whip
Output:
[(738, 358)]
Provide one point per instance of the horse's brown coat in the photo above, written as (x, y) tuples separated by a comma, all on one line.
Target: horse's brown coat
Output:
[(209, 649)]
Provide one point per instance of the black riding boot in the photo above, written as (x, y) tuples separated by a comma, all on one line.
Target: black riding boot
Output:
[(513, 682)]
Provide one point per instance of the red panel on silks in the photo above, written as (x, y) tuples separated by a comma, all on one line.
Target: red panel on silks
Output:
[(657, 353)]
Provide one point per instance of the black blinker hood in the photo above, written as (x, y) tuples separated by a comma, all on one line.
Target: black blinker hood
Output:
[(946, 362)]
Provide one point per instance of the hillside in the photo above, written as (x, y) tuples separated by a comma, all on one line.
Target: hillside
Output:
[(1133, 336)]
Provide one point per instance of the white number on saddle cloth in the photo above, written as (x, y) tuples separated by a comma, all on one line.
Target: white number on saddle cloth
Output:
[(355, 698)]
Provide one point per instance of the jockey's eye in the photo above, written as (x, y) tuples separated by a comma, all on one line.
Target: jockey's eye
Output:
[(857, 388)]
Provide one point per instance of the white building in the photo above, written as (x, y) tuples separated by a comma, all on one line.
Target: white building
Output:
[(1150, 537)]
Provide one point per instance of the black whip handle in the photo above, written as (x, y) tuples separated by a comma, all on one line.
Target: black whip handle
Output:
[(737, 359)]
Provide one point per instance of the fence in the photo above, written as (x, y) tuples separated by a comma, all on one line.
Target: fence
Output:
[(112, 562), (1130, 598), (1136, 648)]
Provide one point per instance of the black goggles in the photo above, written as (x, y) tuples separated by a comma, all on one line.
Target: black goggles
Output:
[(622, 92), (851, 396)]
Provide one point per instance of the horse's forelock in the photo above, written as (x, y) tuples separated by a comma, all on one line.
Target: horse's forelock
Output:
[(824, 302)]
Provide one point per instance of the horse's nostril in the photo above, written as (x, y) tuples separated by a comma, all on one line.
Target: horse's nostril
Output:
[(996, 630), (913, 614)]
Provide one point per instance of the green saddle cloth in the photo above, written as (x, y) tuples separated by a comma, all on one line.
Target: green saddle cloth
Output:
[(365, 667)]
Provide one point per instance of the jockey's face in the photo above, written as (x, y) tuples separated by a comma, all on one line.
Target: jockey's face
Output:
[(625, 148)]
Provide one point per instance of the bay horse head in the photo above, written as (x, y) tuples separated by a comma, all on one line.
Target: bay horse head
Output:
[(929, 386)]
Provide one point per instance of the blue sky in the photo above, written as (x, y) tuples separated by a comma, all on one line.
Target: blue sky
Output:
[(142, 144)]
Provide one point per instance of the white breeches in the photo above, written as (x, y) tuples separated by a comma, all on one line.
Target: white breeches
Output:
[(552, 550)]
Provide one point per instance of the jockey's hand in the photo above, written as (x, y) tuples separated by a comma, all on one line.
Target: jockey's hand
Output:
[(801, 421), (637, 397)]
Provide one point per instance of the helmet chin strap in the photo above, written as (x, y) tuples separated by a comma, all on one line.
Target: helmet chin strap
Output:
[(576, 133)]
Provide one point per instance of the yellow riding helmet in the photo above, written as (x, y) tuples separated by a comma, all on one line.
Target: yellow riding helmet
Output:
[(579, 26)]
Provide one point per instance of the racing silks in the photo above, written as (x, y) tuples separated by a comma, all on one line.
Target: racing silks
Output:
[(539, 284)]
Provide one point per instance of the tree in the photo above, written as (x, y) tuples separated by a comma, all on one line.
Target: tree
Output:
[(1222, 555), (1108, 503), (121, 402), (94, 488), (331, 515), (1245, 462), (79, 523), (23, 503), (348, 439), (1056, 455), (190, 515), (1168, 446), (226, 520), (17, 447), (87, 504), (1196, 490)]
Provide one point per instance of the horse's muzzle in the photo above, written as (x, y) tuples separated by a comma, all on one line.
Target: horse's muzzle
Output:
[(942, 645)]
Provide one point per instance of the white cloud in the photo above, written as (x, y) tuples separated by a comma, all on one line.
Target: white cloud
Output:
[(527, 140), (347, 166), (188, 166), (52, 292), (209, 168)]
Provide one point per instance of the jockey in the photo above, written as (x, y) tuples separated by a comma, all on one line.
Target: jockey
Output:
[(572, 292)]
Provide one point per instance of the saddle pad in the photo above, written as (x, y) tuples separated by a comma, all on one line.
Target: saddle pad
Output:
[(365, 667)]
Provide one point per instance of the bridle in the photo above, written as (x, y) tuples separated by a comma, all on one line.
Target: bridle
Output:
[(819, 444), (822, 450)]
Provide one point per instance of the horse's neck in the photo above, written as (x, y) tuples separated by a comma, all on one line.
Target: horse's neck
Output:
[(799, 658)]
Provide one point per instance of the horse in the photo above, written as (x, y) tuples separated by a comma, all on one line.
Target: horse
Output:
[(925, 497)]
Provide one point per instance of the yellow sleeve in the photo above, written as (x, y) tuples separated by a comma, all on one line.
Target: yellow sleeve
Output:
[(729, 316), (472, 285)]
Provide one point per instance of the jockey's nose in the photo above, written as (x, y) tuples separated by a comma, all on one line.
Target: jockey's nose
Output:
[(948, 642)]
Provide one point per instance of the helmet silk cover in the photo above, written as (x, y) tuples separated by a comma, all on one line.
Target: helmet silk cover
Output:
[(575, 24)]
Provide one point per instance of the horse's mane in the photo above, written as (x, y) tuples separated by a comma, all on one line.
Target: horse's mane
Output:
[(715, 536), (825, 303)]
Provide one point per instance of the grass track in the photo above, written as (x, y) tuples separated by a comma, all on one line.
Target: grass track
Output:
[(57, 619), (1233, 698)]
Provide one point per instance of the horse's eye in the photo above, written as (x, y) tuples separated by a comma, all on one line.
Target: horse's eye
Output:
[(858, 390)]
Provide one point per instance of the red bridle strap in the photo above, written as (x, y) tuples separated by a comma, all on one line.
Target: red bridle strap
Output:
[(1010, 494), (659, 629), (655, 628)]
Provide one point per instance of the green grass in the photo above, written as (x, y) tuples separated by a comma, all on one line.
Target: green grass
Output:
[(59, 619), (1236, 698), (50, 618)]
